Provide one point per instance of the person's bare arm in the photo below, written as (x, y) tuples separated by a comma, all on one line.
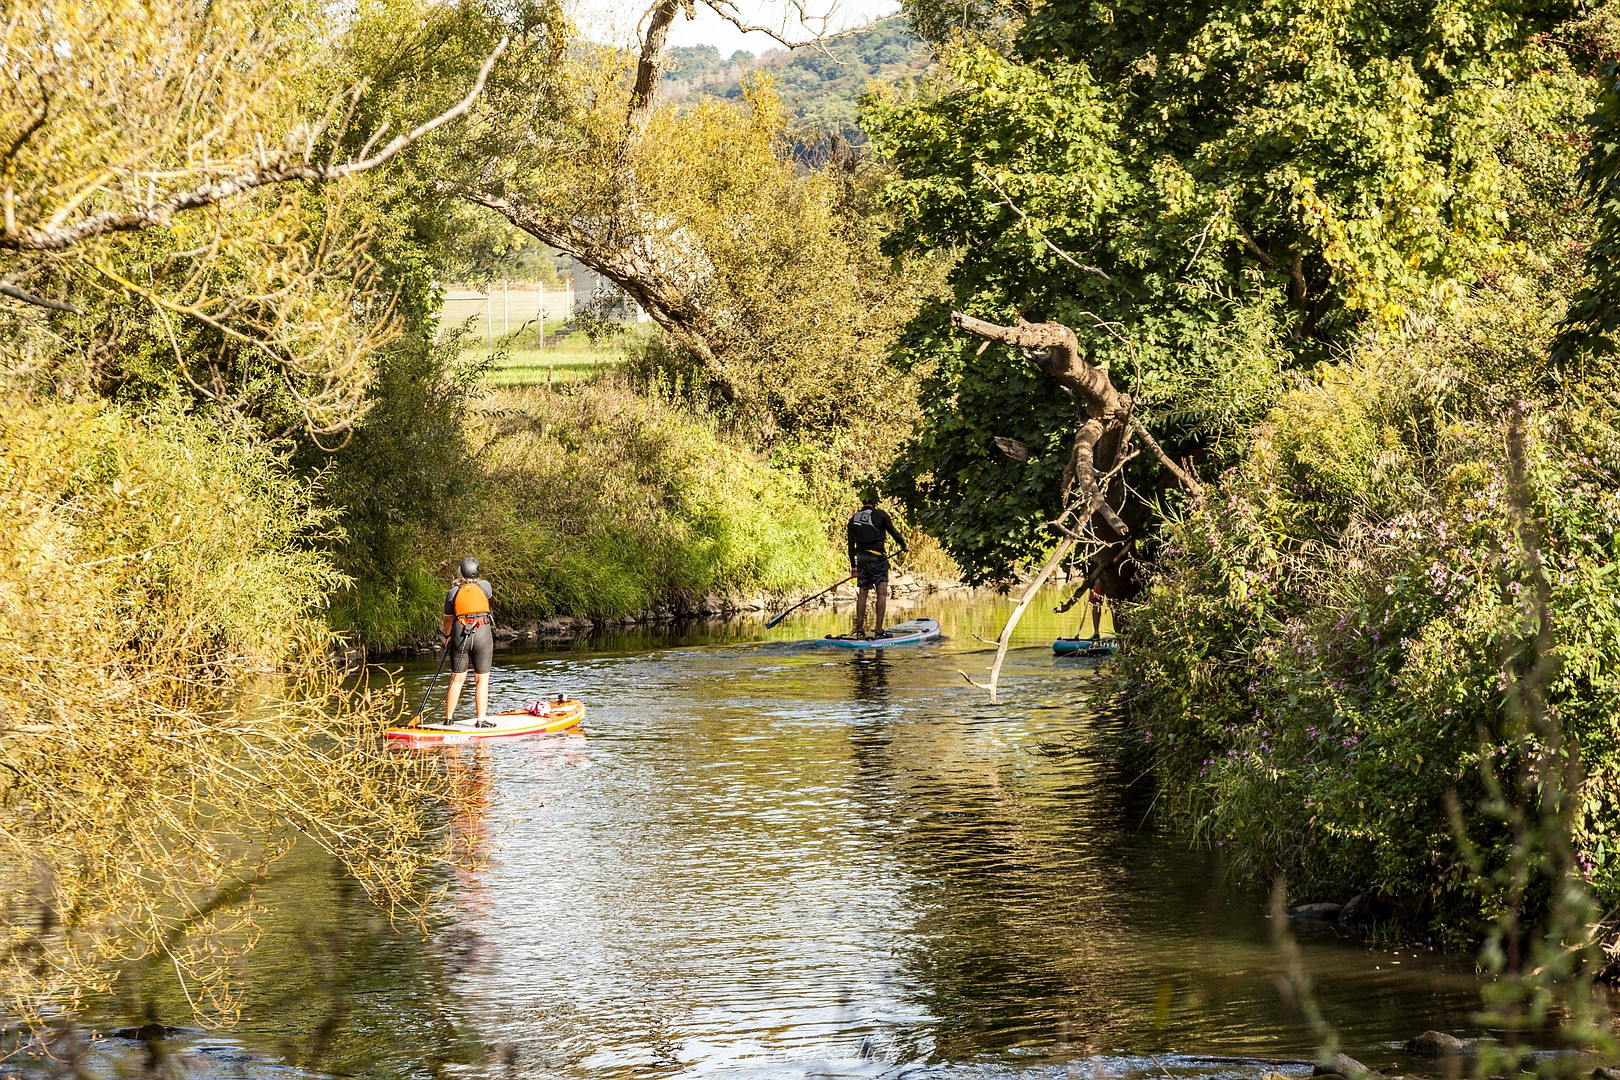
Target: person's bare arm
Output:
[(449, 622)]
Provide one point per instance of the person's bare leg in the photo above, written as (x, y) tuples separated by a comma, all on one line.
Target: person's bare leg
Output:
[(882, 607), (1096, 621), (452, 697), (481, 693), (860, 611)]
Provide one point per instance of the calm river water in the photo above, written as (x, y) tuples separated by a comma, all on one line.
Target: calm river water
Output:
[(765, 858)]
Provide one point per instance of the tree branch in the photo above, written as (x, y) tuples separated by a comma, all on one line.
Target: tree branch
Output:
[(727, 10), (1255, 249), (279, 168), (1061, 359), (8, 289), (644, 94), (1297, 286), (673, 312), (1035, 584), (1006, 200), (1012, 447), (1188, 482)]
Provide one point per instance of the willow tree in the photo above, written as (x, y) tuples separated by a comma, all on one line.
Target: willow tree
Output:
[(767, 276), (194, 158), (173, 182)]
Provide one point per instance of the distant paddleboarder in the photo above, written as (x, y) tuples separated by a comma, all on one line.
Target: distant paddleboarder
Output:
[(1096, 611), (868, 530), (469, 632)]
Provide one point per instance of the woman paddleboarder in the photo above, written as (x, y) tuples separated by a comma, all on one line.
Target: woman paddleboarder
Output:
[(469, 633)]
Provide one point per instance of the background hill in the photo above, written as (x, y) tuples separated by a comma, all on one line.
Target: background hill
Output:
[(821, 84)]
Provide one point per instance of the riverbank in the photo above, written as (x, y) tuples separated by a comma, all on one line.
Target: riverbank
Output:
[(1379, 658), (908, 592)]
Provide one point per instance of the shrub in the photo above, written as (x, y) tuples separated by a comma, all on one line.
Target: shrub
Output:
[(169, 721), (1328, 651)]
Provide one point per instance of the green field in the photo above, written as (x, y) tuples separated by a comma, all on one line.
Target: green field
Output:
[(569, 360)]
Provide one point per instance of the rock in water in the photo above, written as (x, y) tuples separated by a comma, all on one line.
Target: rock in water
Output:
[(1437, 1044), (1603, 1072), (1319, 912), (1346, 1066)]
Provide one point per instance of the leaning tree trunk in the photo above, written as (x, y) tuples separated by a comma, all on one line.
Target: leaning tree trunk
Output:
[(1104, 439)]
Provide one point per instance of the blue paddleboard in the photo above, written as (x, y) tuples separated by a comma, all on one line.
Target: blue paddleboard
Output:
[(914, 632), (1070, 646)]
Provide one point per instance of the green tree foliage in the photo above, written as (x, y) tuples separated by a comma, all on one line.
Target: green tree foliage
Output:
[(1336, 640), (1209, 194), (946, 22), (699, 64), (1595, 310)]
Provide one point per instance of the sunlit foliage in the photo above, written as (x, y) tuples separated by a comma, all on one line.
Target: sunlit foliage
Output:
[(169, 719)]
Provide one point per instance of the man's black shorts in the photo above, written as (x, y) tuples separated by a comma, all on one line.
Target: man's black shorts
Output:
[(474, 645), (870, 570)]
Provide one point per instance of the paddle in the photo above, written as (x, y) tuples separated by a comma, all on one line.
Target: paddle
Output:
[(772, 624), (442, 657), (807, 600)]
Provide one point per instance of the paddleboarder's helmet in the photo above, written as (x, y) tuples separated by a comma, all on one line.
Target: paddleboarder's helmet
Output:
[(470, 569)]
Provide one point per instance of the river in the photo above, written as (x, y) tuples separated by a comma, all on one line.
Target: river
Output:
[(764, 858)]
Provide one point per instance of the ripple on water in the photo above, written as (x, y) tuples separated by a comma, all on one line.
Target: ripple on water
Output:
[(766, 860)]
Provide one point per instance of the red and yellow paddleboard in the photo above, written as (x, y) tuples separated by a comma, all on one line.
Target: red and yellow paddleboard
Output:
[(559, 716)]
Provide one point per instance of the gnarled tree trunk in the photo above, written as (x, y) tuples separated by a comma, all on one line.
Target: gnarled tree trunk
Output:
[(1103, 443)]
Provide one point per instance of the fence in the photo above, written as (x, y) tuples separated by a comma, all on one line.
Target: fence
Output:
[(505, 306)]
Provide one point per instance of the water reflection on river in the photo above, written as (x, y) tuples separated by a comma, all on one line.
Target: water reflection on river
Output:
[(770, 859)]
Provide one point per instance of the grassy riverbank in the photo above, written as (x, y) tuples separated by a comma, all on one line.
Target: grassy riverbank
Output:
[(523, 360), (596, 500)]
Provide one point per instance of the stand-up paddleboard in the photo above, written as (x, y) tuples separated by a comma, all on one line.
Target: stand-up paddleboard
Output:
[(558, 716), (1081, 646), (914, 632)]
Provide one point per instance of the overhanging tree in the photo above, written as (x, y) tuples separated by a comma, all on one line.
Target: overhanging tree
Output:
[(1208, 195)]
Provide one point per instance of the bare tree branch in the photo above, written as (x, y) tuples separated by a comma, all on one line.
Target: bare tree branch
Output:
[(1012, 447), (1034, 587), (1059, 357), (272, 168), (8, 289), (1188, 481), (1255, 249), (727, 10), (1006, 201)]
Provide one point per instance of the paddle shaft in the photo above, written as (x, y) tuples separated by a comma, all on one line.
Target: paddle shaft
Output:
[(443, 656), (809, 599)]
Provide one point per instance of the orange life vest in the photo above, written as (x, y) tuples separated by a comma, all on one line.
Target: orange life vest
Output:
[(472, 606)]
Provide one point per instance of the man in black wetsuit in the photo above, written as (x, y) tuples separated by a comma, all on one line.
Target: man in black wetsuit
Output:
[(867, 561)]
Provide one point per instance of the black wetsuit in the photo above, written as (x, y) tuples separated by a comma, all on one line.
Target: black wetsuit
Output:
[(867, 530), (471, 645)]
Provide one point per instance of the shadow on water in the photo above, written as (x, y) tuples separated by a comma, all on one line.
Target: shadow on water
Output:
[(768, 858)]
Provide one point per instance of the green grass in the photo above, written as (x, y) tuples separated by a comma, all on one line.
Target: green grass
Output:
[(569, 360)]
